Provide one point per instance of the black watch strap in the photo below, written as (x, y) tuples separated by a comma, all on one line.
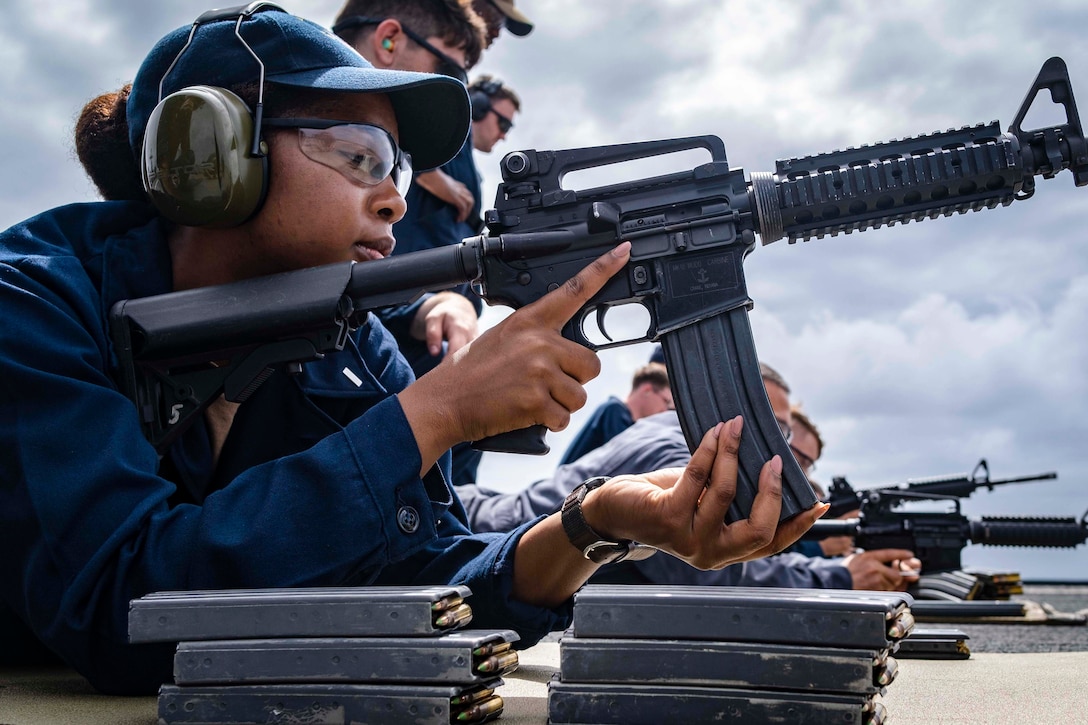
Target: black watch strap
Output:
[(592, 545)]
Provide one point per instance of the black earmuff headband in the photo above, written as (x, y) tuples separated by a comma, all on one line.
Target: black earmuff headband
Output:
[(241, 12), (480, 95)]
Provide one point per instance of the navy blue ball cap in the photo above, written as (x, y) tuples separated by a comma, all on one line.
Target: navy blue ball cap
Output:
[(432, 110)]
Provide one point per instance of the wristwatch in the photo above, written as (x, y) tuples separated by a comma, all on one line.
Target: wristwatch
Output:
[(592, 545)]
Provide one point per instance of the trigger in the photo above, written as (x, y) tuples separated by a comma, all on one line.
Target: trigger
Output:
[(600, 324)]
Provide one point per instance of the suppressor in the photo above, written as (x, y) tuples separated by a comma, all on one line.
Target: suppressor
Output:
[(313, 612)]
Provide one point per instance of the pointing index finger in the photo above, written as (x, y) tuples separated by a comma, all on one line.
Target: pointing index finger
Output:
[(559, 305)]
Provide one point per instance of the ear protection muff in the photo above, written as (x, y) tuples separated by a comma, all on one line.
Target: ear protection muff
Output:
[(203, 162), (479, 95), (197, 163)]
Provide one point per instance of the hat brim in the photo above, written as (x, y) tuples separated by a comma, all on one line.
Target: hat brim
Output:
[(517, 27), (516, 21), (432, 110)]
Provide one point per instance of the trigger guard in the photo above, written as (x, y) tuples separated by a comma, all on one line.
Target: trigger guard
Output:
[(573, 331)]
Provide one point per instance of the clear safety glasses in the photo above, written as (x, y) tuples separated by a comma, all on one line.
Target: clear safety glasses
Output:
[(361, 152)]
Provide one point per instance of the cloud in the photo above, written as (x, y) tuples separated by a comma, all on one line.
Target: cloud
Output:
[(937, 387)]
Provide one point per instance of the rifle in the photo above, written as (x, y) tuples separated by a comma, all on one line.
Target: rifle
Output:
[(937, 537), (690, 232), (844, 498)]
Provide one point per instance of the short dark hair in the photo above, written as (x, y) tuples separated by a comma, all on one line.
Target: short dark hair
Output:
[(454, 21), (769, 374), (492, 17), (801, 417), (653, 373)]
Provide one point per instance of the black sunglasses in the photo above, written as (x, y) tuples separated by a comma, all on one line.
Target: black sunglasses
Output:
[(783, 426), (447, 66), (505, 124), (808, 465)]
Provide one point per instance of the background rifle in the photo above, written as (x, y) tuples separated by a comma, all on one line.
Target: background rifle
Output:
[(844, 498), (938, 538), (690, 233)]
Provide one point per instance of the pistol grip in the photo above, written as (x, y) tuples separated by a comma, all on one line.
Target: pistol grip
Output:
[(526, 440)]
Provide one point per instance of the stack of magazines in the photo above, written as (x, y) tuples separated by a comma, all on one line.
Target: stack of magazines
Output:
[(368, 654), (997, 584), (968, 585), (642, 654)]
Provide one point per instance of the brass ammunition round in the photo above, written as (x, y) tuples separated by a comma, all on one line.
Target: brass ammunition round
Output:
[(470, 697), (503, 662), (486, 710), (447, 603), (902, 625), (491, 648), (886, 674), (458, 615)]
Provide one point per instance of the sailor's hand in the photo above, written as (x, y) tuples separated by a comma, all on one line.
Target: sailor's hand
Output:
[(520, 373), (449, 190), (887, 570), (446, 317), (682, 511)]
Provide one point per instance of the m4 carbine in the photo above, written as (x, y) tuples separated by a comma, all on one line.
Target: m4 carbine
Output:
[(844, 498), (937, 538), (690, 232)]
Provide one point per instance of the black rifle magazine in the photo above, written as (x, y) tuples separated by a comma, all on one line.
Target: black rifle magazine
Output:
[(934, 644), (331, 703), (313, 612), (808, 617), (715, 372), (748, 665), (970, 611), (947, 585), (464, 657), (997, 584), (628, 704)]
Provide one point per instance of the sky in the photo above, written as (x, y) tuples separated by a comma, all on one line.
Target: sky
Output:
[(917, 349)]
